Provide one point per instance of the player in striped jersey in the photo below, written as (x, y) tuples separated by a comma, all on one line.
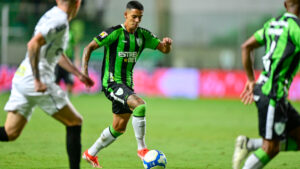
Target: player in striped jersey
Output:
[(279, 122), (123, 45)]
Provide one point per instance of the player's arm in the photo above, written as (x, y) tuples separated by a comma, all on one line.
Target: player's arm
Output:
[(247, 50), (93, 45), (33, 47), (165, 45), (65, 63)]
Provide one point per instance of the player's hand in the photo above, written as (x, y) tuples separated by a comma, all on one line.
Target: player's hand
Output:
[(39, 86), (247, 94), (167, 41), (84, 71), (86, 80)]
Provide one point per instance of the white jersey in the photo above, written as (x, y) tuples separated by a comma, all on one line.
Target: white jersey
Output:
[(54, 27)]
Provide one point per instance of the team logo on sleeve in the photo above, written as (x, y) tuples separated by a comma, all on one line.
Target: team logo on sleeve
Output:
[(103, 34)]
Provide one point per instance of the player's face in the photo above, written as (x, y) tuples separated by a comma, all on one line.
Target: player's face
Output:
[(133, 18)]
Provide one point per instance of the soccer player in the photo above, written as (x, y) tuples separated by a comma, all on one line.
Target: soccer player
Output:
[(33, 83), (279, 122), (123, 45)]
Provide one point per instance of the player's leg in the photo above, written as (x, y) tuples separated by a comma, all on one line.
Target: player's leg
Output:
[(138, 107), (262, 156), (243, 146), (57, 104), (111, 133), (19, 108), (270, 114), (73, 121), (13, 127), (108, 136)]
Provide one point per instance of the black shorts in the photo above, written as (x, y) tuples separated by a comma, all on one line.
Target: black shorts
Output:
[(62, 74), (275, 122), (118, 94)]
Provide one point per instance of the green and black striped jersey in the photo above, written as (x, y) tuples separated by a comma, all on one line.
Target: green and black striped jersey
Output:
[(281, 38), (122, 50)]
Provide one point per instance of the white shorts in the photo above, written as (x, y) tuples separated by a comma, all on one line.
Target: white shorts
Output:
[(51, 101)]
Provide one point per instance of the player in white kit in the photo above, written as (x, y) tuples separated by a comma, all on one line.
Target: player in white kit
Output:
[(33, 83)]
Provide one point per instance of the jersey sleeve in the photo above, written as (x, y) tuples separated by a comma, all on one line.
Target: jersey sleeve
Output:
[(294, 27), (259, 36), (106, 37), (51, 28), (151, 41)]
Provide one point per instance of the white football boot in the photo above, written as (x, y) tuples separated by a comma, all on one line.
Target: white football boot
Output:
[(240, 151)]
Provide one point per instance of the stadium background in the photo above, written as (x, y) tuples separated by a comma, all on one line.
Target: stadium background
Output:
[(205, 63)]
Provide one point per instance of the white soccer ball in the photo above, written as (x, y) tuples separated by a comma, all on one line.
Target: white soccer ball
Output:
[(155, 159)]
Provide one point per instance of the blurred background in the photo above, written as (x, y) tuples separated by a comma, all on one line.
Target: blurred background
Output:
[(205, 60)]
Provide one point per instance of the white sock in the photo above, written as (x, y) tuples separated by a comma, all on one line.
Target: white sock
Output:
[(254, 143), (139, 127), (253, 162), (103, 141)]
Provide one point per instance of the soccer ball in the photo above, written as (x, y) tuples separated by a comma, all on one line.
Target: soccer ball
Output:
[(155, 159)]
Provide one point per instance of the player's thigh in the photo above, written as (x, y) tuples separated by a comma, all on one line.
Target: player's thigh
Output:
[(14, 124), (68, 115), (134, 101), (57, 104), (271, 147), (120, 121)]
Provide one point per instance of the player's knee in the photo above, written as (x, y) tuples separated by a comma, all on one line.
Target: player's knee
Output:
[(271, 148), (13, 135), (140, 111), (75, 121)]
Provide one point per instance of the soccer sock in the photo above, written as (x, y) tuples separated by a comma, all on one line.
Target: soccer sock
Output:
[(288, 145), (254, 143), (107, 136), (3, 134), (74, 146), (257, 160), (139, 125)]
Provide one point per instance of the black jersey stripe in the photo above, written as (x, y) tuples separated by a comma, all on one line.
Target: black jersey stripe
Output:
[(295, 61), (124, 63), (113, 55), (103, 64)]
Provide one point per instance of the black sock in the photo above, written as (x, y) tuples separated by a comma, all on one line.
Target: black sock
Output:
[(3, 135), (74, 146)]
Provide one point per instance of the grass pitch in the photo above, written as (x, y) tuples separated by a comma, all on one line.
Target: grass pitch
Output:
[(194, 134)]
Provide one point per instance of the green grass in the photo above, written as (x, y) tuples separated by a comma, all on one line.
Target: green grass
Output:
[(194, 134)]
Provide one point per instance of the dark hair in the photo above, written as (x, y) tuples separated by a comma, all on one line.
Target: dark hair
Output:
[(134, 5)]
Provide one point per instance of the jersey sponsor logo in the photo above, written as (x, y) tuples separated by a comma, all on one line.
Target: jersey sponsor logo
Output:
[(128, 56), (103, 34), (279, 128)]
